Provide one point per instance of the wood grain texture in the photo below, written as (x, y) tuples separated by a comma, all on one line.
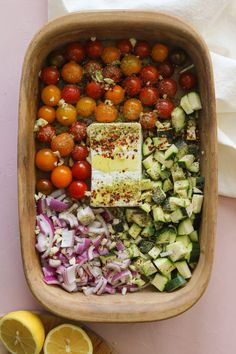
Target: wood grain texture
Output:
[(148, 305), (51, 321)]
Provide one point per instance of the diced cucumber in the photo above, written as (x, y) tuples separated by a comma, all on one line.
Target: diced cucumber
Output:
[(178, 215), (177, 250), (185, 104), (134, 230), (200, 182), (164, 174), (145, 246), (158, 195), (193, 149), (148, 162), (148, 268), (195, 167), (166, 235), (167, 217), (182, 148), (186, 161), (147, 196), (183, 269), (154, 252), (133, 251), (164, 265), (184, 239), (185, 227), (166, 132), (167, 185), (195, 101), (158, 214), (139, 282), (194, 236), (146, 207), (148, 146), (157, 184), (179, 202), (154, 171), (178, 119), (159, 281), (141, 219), (175, 283), (171, 152), (159, 156), (177, 173), (168, 163), (161, 143), (129, 213), (195, 252), (197, 190), (145, 184), (148, 231), (197, 201), (181, 185)]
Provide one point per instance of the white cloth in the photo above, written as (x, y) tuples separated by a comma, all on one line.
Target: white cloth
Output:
[(216, 21)]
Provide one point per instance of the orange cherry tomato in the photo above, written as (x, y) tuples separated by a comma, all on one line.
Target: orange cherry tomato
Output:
[(105, 113), (72, 72), (110, 54), (159, 52), (132, 109), (115, 94), (61, 176), (45, 160), (48, 113), (130, 64), (86, 106), (44, 186), (63, 143), (51, 95), (66, 114)]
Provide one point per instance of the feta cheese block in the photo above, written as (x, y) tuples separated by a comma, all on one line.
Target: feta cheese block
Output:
[(116, 161)]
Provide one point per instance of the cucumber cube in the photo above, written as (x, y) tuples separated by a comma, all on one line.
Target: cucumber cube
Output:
[(159, 281)]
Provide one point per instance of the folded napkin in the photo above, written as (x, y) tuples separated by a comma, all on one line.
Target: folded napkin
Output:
[(216, 21)]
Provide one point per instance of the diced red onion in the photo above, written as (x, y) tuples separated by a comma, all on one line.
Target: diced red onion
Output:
[(102, 251), (85, 215), (87, 290), (57, 193), (69, 287), (51, 280), (54, 263), (122, 276), (113, 266), (120, 246), (69, 275), (104, 225), (109, 289), (42, 242), (82, 258), (96, 241), (48, 271), (45, 225), (82, 245), (67, 238), (103, 286), (41, 206), (70, 219), (56, 205), (107, 215)]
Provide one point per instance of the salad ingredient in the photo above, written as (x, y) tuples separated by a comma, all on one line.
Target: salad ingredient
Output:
[(66, 114), (94, 48), (124, 46), (86, 106), (130, 64), (74, 51), (91, 67), (132, 109), (142, 49), (187, 80), (159, 52), (132, 85), (45, 160), (47, 113), (57, 58), (63, 143), (50, 75), (81, 170), (72, 72), (51, 95), (149, 96), (70, 93), (46, 133), (167, 87), (148, 120), (110, 55), (178, 56), (61, 176), (79, 131), (105, 113), (116, 94), (94, 90), (164, 108), (166, 69), (80, 152), (77, 189), (149, 74), (112, 72), (44, 186)]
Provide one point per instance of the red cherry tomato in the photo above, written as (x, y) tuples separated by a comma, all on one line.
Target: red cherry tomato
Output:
[(44, 186), (187, 80), (142, 49), (132, 85), (91, 67), (81, 170), (77, 189), (79, 153), (94, 49), (112, 72), (79, 131), (148, 120), (166, 69), (125, 46), (70, 93), (50, 75), (149, 96), (168, 87), (149, 74), (164, 108), (75, 51), (46, 133), (178, 56), (94, 90)]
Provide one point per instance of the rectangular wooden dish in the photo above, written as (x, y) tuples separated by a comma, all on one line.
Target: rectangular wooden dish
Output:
[(148, 305)]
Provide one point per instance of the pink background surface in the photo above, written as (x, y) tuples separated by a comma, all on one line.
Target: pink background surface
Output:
[(207, 328)]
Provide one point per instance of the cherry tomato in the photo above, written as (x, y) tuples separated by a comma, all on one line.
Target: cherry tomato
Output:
[(142, 49), (51, 95), (187, 80), (45, 160), (61, 176), (66, 114), (149, 96), (148, 120), (50, 75), (75, 51), (130, 64), (116, 94), (57, 59), (110, 54), (91, 67), (105, 113), (149, 74), (94, 90), (81, 170), (77, 189), (85, 106), (72, 72), (178, 57), (48, 113), (132, 85), (132, 109), (164, 108), (159, 52), (79, 131), (94, 49), (63, 143), (79, 153), (166, 69), (46, 133), (168, 87), (124, 46), (44, 186), (112, 72), (70, 93)]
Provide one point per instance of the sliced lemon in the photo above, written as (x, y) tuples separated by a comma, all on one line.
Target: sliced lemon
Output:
[(67, 339), (22, 332)]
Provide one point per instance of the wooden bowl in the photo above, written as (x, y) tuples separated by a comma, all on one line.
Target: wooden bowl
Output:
[(147, 305)]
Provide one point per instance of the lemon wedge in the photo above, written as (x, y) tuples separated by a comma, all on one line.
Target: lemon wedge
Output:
[(22, 332), (67, 338)]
